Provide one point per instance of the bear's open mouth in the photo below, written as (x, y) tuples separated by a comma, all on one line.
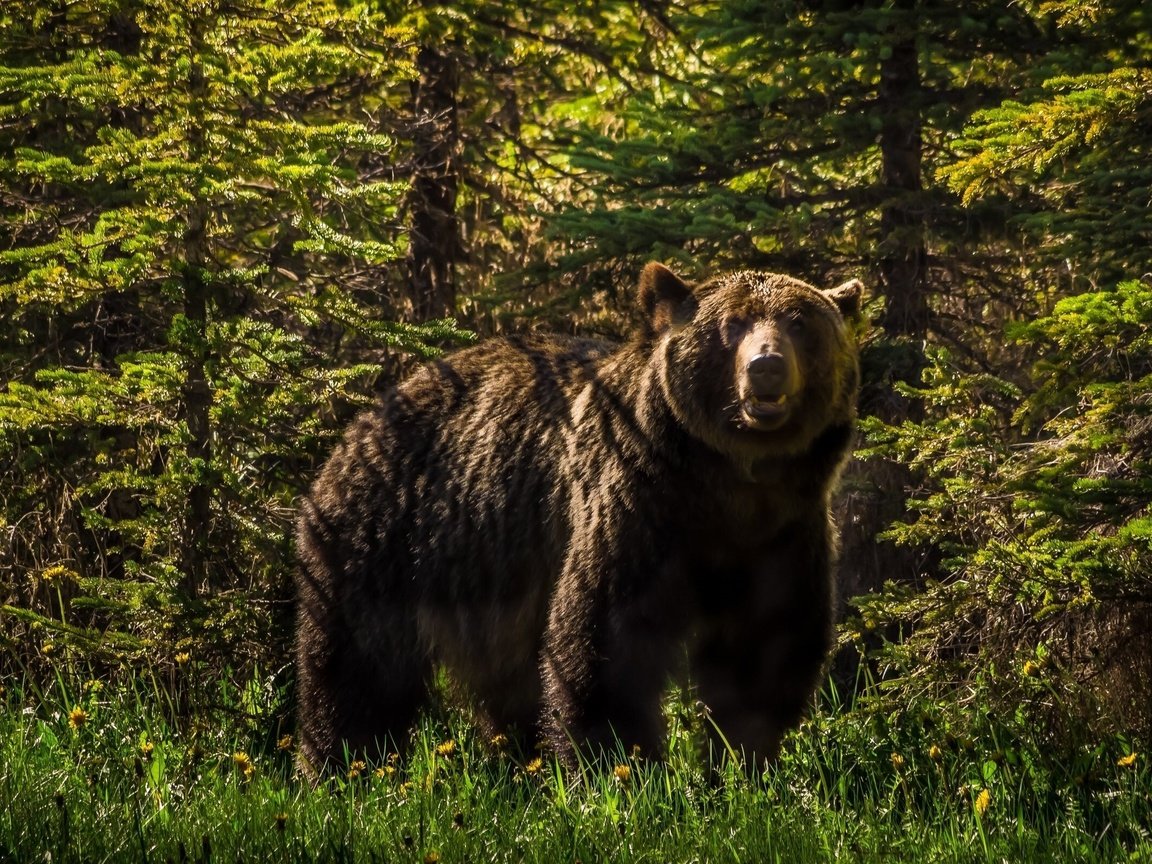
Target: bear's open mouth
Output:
[(765, 408)]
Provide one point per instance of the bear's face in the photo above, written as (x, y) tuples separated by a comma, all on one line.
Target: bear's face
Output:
[(756, 363)]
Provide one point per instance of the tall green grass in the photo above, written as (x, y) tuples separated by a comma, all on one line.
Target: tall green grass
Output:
[(115, 773)]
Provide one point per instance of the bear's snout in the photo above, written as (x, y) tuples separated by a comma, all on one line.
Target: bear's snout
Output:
[(769, 381), (768, 374)]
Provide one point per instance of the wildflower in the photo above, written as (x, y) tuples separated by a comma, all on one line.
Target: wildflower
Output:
[(982, 802), (146, 749), (77, 717), (623, 774), (285, 743), (356, 768), (48, 649), (1127, 761), (499, 741), (56, 573), (93, 686), (281, 821), (935, 753), (534, 766), (897, 761), (1031, 669), (243, 764), (447, 749), (183, 658), (405, 788)]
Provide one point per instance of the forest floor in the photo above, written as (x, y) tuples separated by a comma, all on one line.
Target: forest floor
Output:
[(99, 775)]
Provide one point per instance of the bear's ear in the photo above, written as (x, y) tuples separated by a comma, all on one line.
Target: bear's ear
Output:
[(662, 297), (847, 297)]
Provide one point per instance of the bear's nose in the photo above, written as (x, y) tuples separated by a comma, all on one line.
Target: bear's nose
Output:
[(767, 372)]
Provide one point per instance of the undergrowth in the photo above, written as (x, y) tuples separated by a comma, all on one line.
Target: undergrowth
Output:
[(96, 771)]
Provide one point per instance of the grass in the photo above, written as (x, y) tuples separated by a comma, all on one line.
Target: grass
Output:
[(103, 773)]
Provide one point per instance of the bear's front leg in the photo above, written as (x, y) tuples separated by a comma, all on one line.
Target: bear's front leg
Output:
[(606, 658), (757, 658)]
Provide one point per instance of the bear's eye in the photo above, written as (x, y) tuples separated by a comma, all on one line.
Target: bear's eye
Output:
[(734, 327), (796, 324)]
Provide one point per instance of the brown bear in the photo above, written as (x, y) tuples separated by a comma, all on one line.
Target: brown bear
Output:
[(567, 524)]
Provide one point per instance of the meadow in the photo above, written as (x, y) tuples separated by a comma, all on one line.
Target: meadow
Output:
[(226, 228), (98, 771)]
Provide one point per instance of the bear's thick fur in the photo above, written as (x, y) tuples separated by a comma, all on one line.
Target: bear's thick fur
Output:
[(566, 524)]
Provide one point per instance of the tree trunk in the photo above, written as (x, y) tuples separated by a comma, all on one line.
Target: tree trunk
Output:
[(197, 393), (434, 244), (902, 250), (874, 491)]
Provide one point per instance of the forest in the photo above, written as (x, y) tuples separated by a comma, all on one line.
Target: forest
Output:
[(226, 226)]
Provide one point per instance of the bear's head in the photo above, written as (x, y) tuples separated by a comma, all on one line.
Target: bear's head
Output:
[(752, 363)]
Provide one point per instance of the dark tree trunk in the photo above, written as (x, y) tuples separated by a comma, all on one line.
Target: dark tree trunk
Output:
[(434, 243), (902, 251), (197, 393), (875, 491)]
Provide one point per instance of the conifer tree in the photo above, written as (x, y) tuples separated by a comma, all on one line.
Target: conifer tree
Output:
[(1071, 159), (184, 203), (483, 172), (804, 137), (1038, 478)]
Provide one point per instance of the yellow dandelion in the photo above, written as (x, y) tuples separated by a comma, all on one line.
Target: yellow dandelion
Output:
[(983, 802), (433, 857), (447, 749), (54, 574), (146, 749), (77, 717), (534, 766), (243, 763), (623, 773), (183, 658), (935, 753), (48, 649), (1127, 761), (499, 741), (1031, 669), (285, 743), (356, 768), (897, 761)]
